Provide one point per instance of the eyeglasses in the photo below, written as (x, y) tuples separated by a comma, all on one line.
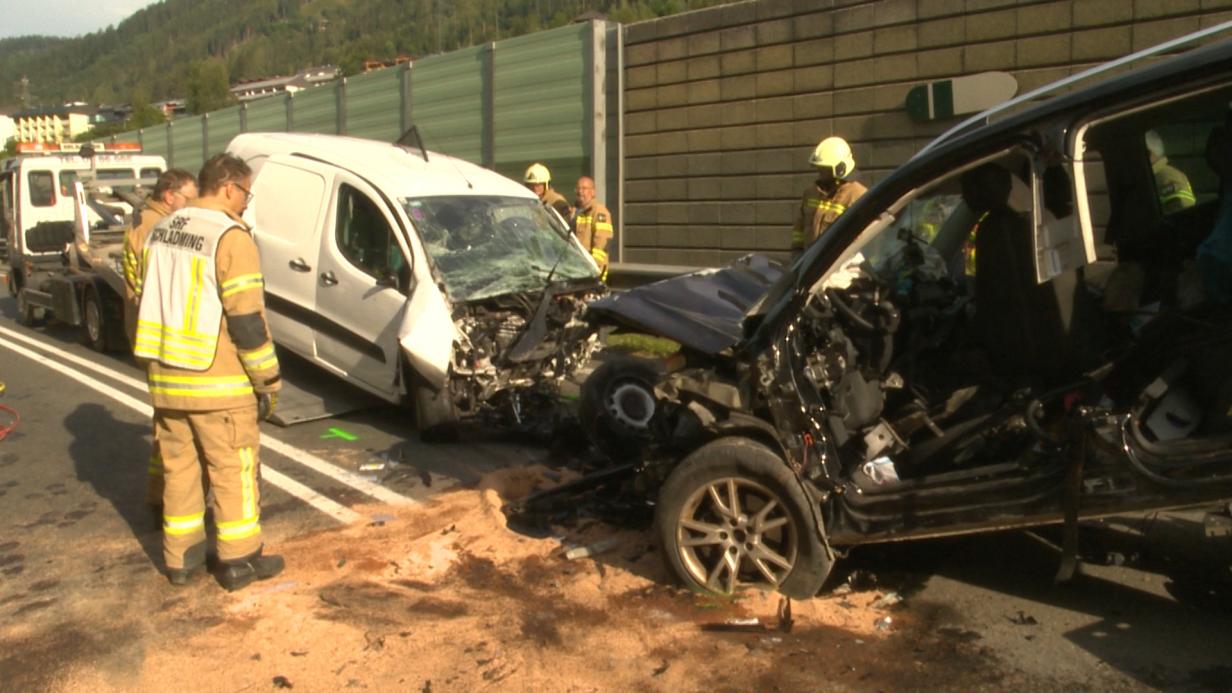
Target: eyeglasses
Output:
[(247, 193)]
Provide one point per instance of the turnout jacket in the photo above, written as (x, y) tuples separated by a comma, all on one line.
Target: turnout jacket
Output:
[(201, 320), (593, 228), (152, 212), (819, 209)]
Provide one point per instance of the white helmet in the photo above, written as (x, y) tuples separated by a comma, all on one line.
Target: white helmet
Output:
[(537, 173), (834, 153)]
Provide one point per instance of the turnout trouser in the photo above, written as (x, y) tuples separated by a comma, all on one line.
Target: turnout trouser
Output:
[(225, 443), (154, 475)]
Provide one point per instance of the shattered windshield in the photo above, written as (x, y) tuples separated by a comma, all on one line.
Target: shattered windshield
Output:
[(489, 246)]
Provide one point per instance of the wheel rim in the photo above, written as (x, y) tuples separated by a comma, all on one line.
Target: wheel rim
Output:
[(631, 404), (734, 530), (93, 320)]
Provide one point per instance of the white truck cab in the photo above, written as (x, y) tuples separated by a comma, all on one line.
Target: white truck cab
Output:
[(416, 275), (37, 201)]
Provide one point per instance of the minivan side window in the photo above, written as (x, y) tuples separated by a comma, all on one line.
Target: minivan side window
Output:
[(364, 236), (150, 173), (42, 192)]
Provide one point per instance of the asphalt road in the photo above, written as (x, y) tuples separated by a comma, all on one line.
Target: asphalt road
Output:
[(80, 552)]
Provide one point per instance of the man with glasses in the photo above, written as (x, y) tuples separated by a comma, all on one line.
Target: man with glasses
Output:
[(173, 189), (212, 374)]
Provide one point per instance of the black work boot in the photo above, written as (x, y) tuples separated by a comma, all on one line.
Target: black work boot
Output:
[(182, 576), (239, 574)]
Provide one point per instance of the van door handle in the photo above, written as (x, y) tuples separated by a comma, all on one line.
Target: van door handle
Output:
[(299, 265), (328, 279)]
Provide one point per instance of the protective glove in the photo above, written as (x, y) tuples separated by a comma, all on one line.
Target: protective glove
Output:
[(267, 403)]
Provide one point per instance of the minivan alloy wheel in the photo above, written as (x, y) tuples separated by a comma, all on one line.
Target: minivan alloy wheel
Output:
[(734, 529)]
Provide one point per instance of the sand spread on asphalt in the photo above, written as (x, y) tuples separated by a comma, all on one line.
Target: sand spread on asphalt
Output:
[(445, 596)]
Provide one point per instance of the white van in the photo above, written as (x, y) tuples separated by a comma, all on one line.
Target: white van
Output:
[(418, 276)]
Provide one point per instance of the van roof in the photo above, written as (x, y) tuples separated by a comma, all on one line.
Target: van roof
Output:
[(400, 171)]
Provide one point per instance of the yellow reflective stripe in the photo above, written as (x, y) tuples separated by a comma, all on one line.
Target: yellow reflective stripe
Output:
[(797, 238), (157, 350), (241, 283), (204, 339), (603, 226), (247, 478), (203, 386), (260, 358), (184, 524), (156, 465), (240, 529), (203, 379), (188, 345), (193, 392), (600, 256), (194, 295)]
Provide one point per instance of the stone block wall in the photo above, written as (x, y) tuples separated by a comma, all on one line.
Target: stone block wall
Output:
[(723, 106)]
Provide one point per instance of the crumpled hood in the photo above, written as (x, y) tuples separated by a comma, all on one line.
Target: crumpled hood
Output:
[(703, 311)]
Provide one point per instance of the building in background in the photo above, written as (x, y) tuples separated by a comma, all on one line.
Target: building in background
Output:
[(308, 77), (54, 123), (8, 129)]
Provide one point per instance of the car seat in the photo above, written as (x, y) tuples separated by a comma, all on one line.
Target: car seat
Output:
[(1023, 325)]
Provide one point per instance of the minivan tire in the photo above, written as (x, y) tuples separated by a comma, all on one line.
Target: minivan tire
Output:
[(756, 476)]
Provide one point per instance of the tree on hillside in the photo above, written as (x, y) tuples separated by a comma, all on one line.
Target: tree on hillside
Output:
[(208, 87)]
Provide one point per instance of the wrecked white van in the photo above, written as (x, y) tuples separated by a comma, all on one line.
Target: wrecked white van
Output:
[(417, 276)]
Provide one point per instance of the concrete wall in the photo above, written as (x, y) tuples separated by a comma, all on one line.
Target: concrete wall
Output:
[(723, 106)]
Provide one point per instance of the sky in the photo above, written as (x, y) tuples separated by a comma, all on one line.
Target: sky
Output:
[(63, 17)]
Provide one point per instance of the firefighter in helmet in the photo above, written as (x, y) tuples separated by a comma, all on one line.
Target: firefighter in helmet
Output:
[(539, 180), (830, 195)]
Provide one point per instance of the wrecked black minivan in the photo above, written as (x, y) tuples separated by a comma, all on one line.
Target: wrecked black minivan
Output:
[(1056, 349)]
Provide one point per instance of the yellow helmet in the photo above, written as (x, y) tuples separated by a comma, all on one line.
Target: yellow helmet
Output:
[(834, 153), (537, 173)]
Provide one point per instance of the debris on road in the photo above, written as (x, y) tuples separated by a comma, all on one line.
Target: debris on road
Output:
[(1022, 619), (735, 625), (592, 550), (282, 682), (887, 600), (883, 623)]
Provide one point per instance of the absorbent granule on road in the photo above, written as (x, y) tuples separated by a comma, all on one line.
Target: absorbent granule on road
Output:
[(445, 596)]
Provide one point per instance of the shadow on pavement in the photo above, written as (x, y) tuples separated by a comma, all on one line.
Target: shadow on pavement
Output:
[(113, 457), (1174, 637)]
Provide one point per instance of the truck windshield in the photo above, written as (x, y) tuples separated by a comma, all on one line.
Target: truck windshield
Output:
[(488, 246)]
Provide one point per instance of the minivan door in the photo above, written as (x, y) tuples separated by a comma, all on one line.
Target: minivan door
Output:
[(288, 209), (363, 278)]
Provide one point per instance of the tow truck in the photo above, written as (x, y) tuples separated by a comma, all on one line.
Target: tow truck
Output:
[(65, 209)]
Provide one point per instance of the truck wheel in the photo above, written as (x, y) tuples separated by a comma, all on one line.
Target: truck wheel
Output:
[(616, 405), (731, 513), (436, 417), (94, 323)]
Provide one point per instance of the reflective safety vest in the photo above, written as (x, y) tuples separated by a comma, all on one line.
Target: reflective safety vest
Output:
[(181, 311)]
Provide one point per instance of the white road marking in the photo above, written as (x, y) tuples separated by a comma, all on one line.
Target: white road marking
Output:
[(292, 487), (291, 452)]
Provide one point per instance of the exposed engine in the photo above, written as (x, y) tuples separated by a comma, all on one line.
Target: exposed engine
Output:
[(518, 349)]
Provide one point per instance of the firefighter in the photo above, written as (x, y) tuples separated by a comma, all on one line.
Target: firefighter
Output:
[(212, 374), (1171, 185), (174, 188), (539, 180), (830, 195), (592, 223)]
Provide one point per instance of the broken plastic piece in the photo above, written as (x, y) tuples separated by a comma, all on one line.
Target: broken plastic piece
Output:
[(883, 623), (592, 550), (736, 625), (887, 600)]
